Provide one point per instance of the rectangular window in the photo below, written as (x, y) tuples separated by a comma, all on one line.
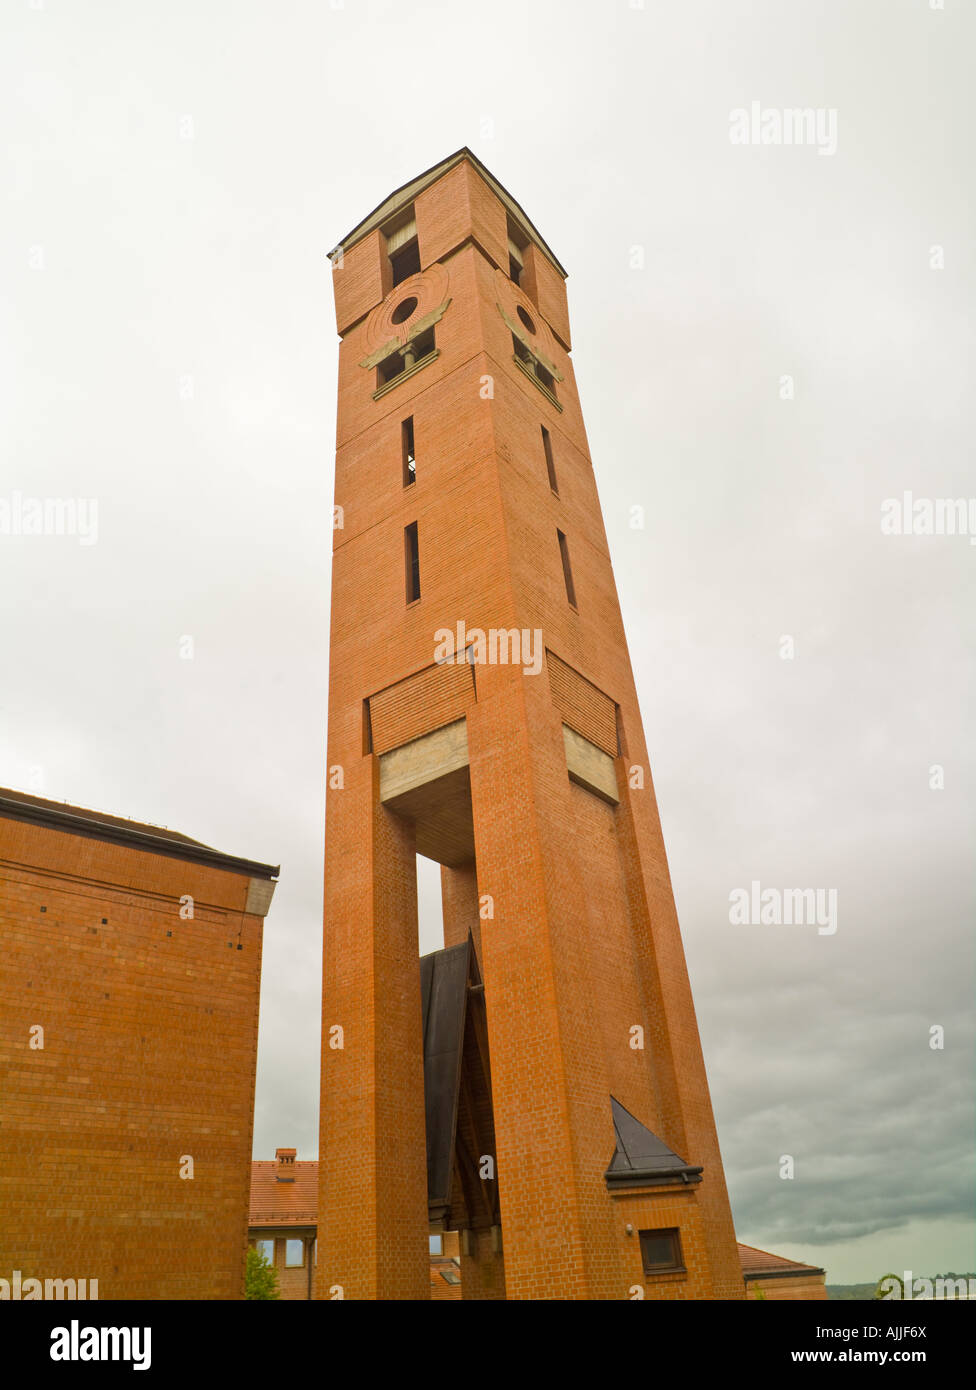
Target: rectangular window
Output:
[(402, 248), (546, 377), (436, 1245), (532, 364), (265, 1248), (389, 368), (411, 554), (516, 253), (567, 568), (406, 262), (522, 352), (661, 1251), (412, 352), (409, 461), (550, 464), (294, 1254)]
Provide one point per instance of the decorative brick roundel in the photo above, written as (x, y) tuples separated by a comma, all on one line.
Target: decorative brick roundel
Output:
[(524, 318), (429, 290)]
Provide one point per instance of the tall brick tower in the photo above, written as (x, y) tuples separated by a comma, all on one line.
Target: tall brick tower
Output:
[(542, 1088)]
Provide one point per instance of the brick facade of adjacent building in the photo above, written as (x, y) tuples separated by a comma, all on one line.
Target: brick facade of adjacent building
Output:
[(283, 1225), (147, 1057), (283, 1206)]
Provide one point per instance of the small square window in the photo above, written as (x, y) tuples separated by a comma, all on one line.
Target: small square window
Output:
[(661, 1251), (533, 366), (294, 1254), (547, 378), (265, 1248), (411, 353), (522, 352)]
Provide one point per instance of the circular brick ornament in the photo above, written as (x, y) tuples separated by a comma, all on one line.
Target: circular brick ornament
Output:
[(428, 289)]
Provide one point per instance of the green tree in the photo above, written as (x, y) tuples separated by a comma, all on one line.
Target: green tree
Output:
[(261, 1279)]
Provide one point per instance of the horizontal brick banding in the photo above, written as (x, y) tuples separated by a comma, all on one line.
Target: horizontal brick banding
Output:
[(582, 706), (438, 695)]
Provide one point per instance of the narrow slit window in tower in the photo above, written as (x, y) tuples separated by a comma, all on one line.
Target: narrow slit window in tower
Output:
[(409, 460), (412, 558), (550, 462), (567, 568)]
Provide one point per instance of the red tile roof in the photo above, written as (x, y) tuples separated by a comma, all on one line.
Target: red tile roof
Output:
[(756, 1263), (441, 1287), (275, 1203)]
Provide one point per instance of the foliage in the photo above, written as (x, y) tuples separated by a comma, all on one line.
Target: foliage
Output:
[(261, 1279)]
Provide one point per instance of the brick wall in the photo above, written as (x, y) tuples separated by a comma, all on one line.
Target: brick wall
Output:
[(150, 1038), (803, 1287), (294, 1280)]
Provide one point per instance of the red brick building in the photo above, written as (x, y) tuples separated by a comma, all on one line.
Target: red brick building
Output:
[(482, 712), (282, 1221), (284, 1226), (130, 967), (774, 1277)]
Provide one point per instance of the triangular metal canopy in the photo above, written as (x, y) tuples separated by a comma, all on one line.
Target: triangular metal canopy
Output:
[(641, 1158)]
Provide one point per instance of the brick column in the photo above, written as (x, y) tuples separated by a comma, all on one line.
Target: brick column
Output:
[(372, 1163), (459, 899), (483, 1270)]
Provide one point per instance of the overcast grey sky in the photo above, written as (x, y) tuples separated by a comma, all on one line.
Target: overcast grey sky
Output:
[(174, 174)]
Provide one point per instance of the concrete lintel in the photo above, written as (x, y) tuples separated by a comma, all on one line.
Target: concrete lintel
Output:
[(589, 766), (423, 760)]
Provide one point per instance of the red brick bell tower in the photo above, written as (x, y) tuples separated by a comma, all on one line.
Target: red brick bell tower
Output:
[(539, 1084)]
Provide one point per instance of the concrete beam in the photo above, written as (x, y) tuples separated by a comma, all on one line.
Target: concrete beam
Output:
[(589, 766)]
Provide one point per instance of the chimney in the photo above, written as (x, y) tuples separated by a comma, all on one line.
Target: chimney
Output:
[(285, 1158)]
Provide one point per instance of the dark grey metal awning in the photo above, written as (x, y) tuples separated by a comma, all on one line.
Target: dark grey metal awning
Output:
[(444, 992), (457, 1090), (641, 1158)]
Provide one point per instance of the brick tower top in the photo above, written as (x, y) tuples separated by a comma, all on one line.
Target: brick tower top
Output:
[(429, 218)]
